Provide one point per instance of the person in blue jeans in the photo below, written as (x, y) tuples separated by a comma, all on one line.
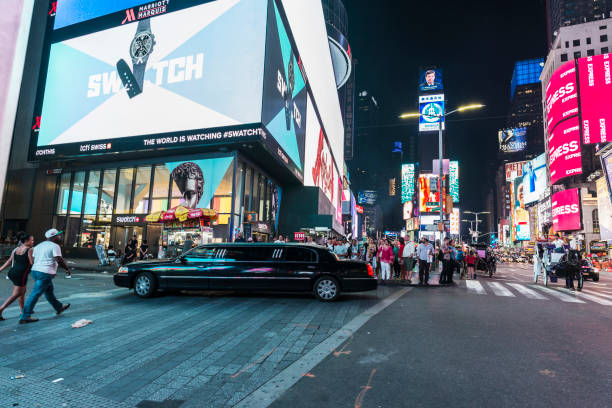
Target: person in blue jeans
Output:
[(47, 256)]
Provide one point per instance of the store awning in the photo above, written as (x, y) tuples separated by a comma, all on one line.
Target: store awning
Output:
[(181, 214)]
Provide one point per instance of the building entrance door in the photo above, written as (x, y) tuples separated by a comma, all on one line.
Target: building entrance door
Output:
[(122, 235)]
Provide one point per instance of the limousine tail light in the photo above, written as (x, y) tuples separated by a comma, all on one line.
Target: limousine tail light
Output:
[(370, 270)]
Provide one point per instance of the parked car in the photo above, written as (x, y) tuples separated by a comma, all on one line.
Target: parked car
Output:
[(251, 267)]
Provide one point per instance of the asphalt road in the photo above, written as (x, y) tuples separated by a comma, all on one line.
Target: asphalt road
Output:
[(500, 342)]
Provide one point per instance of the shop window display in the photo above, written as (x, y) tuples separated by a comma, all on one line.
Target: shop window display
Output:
[(63, 194), (107, 195), (161, 184), (141, 190), (124, 191)]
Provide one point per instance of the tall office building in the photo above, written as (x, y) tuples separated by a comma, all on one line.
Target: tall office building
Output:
[(562, 13)]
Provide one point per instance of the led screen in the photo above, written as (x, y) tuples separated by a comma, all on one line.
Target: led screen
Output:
[(429, 197), (69, 12), (561, 95), (512, 140), (431, 108), (595, 95), (407, 182), (453, 188), (565, 157), (534, 179), (367, 197), (176, 74), (606, 164), (566, 210), (431, 80), (514, 170), (455, 221), (604, 206)]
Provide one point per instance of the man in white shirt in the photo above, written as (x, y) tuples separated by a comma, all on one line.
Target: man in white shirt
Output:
[(425, 254), (408, 257), (47, 256)]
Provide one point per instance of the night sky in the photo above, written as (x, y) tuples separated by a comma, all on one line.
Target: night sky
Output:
[(476, 44)]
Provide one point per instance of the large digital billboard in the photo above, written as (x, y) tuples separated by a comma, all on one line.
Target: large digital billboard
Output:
[(565, 158), (604, 206), (514, 170), (534, 179), (429, 196), (595, 81), (566, 210), (408, 179), (561, 95), (431, 108), (512, 140), (156, 76), (431, 80), (453, 187), (367, 197)]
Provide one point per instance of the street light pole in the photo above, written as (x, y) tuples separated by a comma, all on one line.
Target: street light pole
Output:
[(440, 177)]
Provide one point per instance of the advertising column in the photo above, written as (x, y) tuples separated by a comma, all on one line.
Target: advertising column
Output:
[(15, 22)]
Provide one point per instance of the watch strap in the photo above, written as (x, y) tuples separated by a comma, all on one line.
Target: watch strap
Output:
[(143, 25), (139, 72), (127, 78)]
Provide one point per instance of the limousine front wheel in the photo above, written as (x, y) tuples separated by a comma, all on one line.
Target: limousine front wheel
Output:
[(327, 289), (145, 285)]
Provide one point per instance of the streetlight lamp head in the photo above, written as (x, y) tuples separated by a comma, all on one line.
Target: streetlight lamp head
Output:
[(470, 107), (409, 115)]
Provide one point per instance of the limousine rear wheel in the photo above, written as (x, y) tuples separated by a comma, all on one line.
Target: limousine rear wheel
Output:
[(145, 285), (327, 289)]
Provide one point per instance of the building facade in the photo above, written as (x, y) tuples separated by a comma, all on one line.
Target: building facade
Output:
[(563, 13), (241, 127)]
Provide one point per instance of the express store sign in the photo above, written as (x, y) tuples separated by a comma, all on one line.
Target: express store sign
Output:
[(595, 97), (566, 210), (565, 157), (561, 95)]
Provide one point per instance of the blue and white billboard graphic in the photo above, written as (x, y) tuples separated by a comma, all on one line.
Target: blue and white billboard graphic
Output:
[(177, 75), (431, 108), (284, 112), (534, 179), (431, 80), (512, 140)]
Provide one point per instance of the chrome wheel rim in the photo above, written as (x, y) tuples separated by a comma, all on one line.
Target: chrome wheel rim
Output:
[(326, 289), (143, 285)]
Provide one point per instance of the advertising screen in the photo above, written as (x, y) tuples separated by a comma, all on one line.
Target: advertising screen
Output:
[(367, 197), (566, 210), (453, 188), (146, 83), (534, 179), (319, 170), (429, 201), (455, 221), (522, 232), (561, 95), (514, 170), (431, 108), (544, 212), (512, 140), (595, 94), (604, 206), (408, 182), (606, 165), (431, 80), (565, 158)]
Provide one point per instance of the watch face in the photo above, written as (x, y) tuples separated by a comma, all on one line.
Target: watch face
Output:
[(142, 45)]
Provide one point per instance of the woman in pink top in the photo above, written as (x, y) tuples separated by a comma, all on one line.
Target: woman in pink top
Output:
[(386, 259)]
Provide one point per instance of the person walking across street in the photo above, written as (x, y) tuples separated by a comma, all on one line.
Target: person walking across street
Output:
[(21, 260), (386, 260), (425, 255), (47, 256), (471, 260)]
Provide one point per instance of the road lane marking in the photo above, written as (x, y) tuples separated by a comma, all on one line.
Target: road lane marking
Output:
[(559, 295), (531, 294), (500, 290), (590, 297), (277, 385), (475, 286), (598, 294)]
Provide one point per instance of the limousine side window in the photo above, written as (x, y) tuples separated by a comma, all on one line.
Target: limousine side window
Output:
[(234, 254), (201, 253), (263, 253), (300, 255)]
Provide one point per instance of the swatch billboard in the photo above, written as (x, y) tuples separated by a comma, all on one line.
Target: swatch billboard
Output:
[(561, 95), (595, 96), (565, 157), (566, 210)]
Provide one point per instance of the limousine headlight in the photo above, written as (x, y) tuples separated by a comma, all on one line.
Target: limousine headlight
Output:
[(123, 269)]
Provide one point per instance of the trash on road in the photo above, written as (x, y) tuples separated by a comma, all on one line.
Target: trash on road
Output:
[(81, 323), (17, 377)]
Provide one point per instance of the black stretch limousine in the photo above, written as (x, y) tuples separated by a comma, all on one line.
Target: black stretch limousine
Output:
[(251, 267)]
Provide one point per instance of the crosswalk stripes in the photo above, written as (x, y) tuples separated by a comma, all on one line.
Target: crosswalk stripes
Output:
[(563, 297), (529, 293), (600, 294), (475, 286), (591, 298), (500, 290)]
